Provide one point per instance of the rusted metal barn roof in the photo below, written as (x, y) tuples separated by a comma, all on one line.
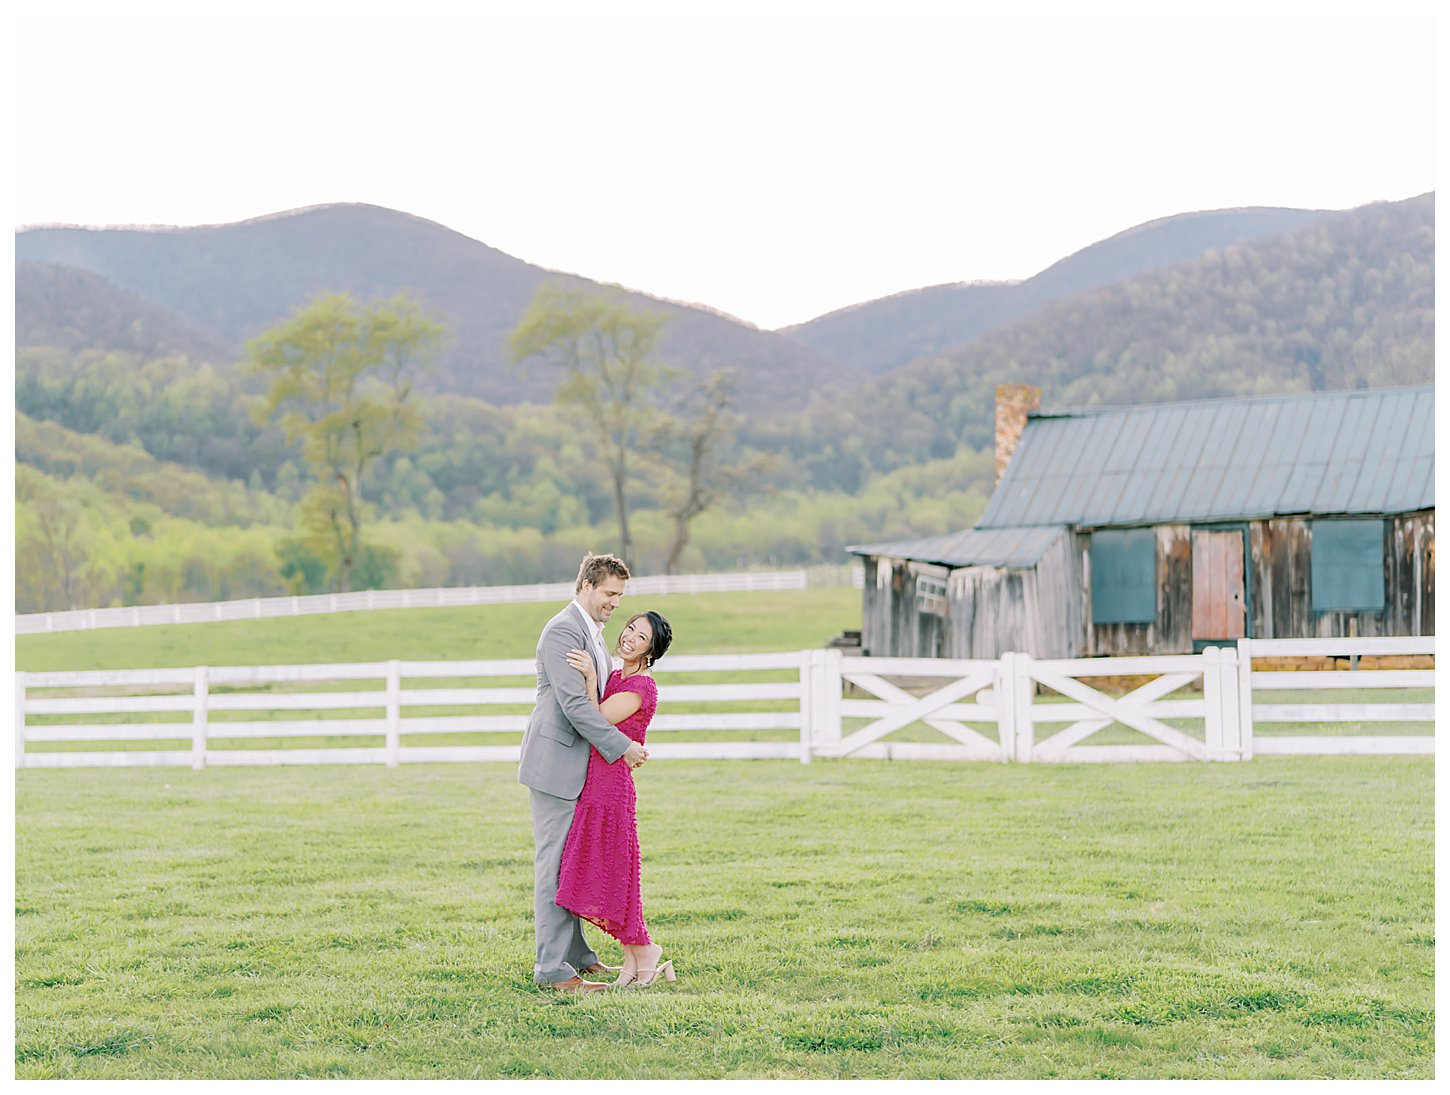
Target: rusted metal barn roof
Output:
[(1367, 451), (1008, 547)]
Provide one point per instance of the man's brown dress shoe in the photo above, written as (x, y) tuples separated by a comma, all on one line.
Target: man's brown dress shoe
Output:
[(577, 984), (600, 967)]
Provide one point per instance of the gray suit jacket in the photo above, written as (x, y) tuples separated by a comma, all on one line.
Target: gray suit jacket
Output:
[(565, 721)]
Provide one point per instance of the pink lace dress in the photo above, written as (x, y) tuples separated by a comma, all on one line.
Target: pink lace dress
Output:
[(599, 871)]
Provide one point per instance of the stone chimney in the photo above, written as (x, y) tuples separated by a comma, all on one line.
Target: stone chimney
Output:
[(1014, 403)]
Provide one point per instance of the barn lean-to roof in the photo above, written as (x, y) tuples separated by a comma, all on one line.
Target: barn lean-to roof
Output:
[(1360, 452), (1006, 547)]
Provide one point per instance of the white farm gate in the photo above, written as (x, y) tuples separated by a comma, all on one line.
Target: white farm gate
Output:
[(1012, 696), (806, 704)]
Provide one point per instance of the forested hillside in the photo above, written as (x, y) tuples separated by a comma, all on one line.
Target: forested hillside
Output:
[(143, 477), (880, 335), (73, 309), (1345, 301)]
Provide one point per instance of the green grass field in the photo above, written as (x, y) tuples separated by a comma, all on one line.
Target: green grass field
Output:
[(703, 623), (841, 919)]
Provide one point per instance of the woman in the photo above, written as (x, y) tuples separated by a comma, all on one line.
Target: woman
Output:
[(599, 872)]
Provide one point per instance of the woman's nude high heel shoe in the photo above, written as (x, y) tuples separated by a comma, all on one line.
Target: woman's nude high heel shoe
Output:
[(626, 973), (645, 978)]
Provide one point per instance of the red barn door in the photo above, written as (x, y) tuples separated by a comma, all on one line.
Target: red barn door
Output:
[(1218, 585)]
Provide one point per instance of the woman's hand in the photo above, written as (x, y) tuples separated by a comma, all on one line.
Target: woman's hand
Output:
[(584, 662)]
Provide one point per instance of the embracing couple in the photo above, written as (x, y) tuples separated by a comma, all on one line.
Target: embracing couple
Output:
[(582, 744)]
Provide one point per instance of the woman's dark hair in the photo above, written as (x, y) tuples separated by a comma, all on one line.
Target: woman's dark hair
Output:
[(660, 628)]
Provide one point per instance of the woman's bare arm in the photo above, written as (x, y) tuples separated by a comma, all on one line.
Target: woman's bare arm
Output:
[(617, 707)]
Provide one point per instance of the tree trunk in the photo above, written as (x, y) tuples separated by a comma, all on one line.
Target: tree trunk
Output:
[(343, 583), (626, 547), (621, 508), (682, 538)]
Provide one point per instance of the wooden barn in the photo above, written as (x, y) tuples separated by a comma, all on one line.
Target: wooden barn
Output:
[(1166, 528)]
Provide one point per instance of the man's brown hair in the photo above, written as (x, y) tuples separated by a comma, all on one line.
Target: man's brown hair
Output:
[(595, 568)]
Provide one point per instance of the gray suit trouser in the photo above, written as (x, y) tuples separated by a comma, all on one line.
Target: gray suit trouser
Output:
[(559, 947)]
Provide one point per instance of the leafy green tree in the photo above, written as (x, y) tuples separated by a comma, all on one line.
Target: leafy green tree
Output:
[(302, 571), (611, 383), (340, 377), (53, 560)]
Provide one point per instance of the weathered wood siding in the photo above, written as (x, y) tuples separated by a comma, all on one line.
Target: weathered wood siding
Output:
[(1278, 589), (892, 625), (989, 610), (992, 611), (1046, 611), (877, 606), (1281, 601), (1059, 607), (1172, 631), (1033, 610)]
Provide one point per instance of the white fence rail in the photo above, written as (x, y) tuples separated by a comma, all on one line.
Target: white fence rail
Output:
[(1253, 683), (85, 619), (812, 703)]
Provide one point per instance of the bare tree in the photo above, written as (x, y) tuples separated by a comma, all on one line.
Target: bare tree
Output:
[(693, 476)]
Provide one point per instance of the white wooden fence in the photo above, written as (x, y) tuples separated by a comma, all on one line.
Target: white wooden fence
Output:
[(84, 619), (1253, 683), (821, 703)]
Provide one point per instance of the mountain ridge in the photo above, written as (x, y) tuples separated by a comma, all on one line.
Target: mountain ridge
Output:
[(228, 281), (233, 281), (74, 309), (1341, 302), (881, 335)]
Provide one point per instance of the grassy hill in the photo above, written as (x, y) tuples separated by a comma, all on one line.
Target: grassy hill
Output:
[(704, 623)]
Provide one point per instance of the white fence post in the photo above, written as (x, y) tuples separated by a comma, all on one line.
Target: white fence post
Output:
[(1014, 706), (1213, 728), (1233, 727), (1006, 711), (808, 701), (394, 713), (820, 702), (19, 720), (198, 719), (828, 704), (1223, 732), (1022, 706), (1245, 700)]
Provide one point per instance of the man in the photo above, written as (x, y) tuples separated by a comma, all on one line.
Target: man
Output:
[(554, 755)]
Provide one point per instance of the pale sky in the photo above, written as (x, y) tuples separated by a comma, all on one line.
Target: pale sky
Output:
[(772, 160)]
